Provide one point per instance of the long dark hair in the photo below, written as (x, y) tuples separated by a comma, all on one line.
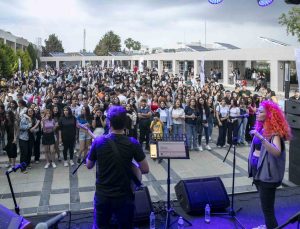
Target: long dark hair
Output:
[(87, 114), (11, 118), (69, 112)]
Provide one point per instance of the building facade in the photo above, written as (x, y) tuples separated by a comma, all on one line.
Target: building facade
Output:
[(13, 41), (224, 60)]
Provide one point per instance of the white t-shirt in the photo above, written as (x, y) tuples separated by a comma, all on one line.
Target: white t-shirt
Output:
[(223, 111)]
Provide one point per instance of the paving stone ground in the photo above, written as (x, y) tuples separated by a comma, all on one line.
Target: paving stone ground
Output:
[(53, 190)]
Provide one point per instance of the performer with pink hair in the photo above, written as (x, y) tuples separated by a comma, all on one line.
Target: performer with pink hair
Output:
[(266, 162)]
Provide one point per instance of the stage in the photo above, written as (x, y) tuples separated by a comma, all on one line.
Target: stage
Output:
[(287, 204)]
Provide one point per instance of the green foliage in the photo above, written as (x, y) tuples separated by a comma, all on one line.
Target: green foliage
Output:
[(110, 42), (25, 59), (292, 21), (33, 53), (53, 44), (8, 61), (132, 44)]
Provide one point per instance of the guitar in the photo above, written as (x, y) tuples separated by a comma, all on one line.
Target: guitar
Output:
[(134, 167)]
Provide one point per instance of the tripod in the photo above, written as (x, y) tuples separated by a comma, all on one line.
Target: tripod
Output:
[(171, 211), (232, 212)]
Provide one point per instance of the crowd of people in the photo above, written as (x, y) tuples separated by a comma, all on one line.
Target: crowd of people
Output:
[(54, 107)]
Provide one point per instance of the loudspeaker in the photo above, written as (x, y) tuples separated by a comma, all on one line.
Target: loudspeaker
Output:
[(10, 220), (293, 120), (143, 205), (294, 173), (194, 194), (292, 107)]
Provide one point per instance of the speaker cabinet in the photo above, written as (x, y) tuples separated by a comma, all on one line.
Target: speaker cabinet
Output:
[(194, 194), (10, 220), (293, 120), (292, 107), (143, 205)]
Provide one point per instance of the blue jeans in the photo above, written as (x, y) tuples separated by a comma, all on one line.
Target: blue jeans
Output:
[(191, 131), (122, 208), (177, 130), (165, 131), (210, 125), (242, 131)]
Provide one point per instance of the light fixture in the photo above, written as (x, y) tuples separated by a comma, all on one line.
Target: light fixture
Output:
[(215, 1), (264, 2)]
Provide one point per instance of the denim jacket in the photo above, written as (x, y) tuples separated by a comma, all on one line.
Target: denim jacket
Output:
[(24, 128)]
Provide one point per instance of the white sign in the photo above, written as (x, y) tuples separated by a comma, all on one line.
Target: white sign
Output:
[(171, 149)]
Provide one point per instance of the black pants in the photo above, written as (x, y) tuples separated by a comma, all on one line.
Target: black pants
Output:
[(37, 146), (144, 132), (68, 146), (250, 125), (222, 134), (24, 152), (122, 208), (267, 199), (232, 135), (201, 128)]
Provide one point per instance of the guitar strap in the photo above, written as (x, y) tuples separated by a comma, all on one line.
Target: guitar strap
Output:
[(119, 160)]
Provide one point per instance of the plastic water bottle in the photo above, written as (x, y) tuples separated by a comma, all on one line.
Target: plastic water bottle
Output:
[(152, 220), (180, 223), (207, 213)]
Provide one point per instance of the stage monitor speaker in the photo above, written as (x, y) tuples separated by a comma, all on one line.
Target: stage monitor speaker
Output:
[(143, 205), (194, 194), (292, 107), (293, 120), (10, 220), (294, 173)]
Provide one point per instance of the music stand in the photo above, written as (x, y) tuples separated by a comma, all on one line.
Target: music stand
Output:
[(172, 148)]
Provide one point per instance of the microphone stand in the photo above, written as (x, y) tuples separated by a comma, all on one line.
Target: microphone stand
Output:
[(17, 209), (84, 159), (232, 212)]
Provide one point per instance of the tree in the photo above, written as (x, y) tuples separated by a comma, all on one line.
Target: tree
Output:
[(8, 61), (129, 43), (136, 45), (33, 53), (53, 44), (25, 59), (132, 44), (110, 42), (291, 21)]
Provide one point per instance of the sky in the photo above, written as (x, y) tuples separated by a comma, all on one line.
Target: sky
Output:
[(155, 23)]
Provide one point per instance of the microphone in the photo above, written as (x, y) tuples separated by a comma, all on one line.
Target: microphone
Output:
[(51, 222), (16, 167)]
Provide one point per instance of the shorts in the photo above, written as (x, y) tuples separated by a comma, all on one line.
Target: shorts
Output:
[(83, 136)]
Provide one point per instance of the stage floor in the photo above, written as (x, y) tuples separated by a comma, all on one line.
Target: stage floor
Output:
[(287, 204)]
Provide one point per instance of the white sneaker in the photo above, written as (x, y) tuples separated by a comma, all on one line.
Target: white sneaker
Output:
[(71, 162), (208, 147), (200, 148), (66, 164), (53, 165), (37, 162), (47, 165)]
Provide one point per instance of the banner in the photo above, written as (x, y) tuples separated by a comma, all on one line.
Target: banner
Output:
[(297, 54), (20, 64), (202, 73)]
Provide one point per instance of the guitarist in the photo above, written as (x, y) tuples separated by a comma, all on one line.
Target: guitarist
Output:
[(112, 155)]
